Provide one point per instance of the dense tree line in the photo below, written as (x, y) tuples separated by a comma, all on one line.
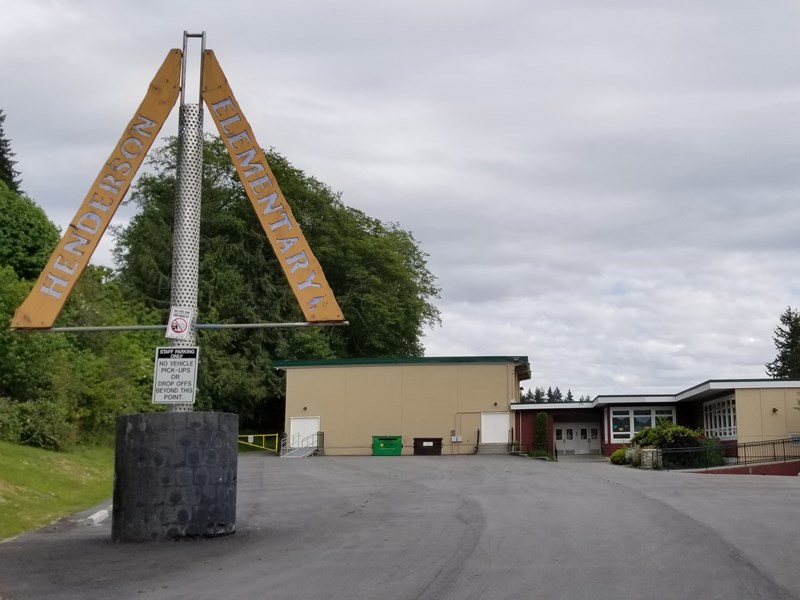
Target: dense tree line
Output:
[(58, 388), (539, 394)]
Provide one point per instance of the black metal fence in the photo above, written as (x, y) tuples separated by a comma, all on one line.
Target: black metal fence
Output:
[(718, 455)]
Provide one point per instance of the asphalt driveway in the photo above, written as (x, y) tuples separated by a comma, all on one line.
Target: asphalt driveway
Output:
[(465, 527)]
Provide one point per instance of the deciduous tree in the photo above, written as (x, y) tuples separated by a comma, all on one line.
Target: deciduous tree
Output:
[(377, 271), (56, 388), (27, 236)]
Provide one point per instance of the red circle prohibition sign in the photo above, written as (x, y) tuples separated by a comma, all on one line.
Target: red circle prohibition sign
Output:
[(178, 325)]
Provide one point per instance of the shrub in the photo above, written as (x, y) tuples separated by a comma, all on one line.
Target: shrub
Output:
[(707, 453), (699, 450), (43, 424), (618, 457), (541, 431), (540, 454), (712, 453), (668, 435)]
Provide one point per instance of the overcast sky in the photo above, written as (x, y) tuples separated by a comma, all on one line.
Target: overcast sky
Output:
[(610, 188)]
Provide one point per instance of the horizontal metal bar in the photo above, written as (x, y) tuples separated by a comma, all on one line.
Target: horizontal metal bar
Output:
[(91, 329), (268, 325)]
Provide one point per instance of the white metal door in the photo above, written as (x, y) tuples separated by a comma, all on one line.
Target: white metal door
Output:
[(577, 438), (494, 428), (565, 438), (300, 428), (594, 438)]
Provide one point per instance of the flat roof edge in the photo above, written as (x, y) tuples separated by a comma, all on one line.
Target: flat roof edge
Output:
[(519, 360), (550, 405), (608, 399), (733, 384)]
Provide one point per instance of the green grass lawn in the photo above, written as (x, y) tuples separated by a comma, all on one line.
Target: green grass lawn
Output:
[(38, 486)]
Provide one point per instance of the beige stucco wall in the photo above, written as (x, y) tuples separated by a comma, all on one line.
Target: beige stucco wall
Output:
[(755, 419), (356, 402)]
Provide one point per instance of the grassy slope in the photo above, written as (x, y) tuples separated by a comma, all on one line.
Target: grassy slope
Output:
[(37, 486)]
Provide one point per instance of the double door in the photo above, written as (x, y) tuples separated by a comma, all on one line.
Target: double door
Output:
[(577, 438)]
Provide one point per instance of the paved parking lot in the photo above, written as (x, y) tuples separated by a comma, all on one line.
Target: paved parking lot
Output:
[(465, 527)]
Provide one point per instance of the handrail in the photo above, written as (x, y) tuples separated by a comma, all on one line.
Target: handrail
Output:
[(294, 441), (747, 453)]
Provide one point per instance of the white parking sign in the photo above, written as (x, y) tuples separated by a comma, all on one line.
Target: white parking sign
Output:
[(175, 377)]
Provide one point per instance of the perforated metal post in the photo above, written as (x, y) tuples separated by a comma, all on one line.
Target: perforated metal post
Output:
[(186, 233)]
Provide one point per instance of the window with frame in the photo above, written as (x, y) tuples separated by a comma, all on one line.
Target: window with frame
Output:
[(627, 422), (719, 418)]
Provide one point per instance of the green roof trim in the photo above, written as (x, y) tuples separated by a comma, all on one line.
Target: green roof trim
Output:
[(426, 360)]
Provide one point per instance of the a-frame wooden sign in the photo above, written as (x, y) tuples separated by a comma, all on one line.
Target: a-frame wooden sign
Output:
[(302, 269)]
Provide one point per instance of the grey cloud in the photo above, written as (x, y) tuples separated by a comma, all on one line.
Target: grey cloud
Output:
[(608, 188)]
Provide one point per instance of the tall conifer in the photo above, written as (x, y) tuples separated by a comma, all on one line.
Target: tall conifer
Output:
[(787, 342), (7, 172)]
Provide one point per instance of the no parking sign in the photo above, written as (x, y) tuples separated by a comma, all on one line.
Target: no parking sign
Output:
[(180, 323)]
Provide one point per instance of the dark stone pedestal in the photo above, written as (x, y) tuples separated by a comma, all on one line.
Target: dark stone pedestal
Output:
[(174, 476)]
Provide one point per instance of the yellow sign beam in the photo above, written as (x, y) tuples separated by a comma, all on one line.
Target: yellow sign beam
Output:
[(43, 305), (297, 260)]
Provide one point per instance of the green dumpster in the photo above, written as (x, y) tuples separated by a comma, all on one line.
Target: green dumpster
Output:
[(387, 445)]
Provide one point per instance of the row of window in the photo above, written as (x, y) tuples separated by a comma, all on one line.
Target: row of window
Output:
[(719, 419), (627, 422)]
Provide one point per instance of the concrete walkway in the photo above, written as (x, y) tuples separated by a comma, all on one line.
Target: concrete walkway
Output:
[(463, 527), (591, 458)]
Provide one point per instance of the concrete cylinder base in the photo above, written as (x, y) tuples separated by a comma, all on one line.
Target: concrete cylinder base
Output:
[(174, 476)]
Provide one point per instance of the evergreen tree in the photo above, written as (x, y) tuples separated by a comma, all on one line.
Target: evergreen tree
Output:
[(557, 395), (787, 342), (7, 172), (570, 397), (538, 394), (550, 397)]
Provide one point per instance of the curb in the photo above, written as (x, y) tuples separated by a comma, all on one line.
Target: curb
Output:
[(98, 517)]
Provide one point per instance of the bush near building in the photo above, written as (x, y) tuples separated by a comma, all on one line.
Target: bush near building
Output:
[(700, 451), (619, 456), (668, 435)]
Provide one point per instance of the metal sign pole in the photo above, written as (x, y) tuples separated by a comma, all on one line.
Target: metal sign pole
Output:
[(176, 442), (186, 233)]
